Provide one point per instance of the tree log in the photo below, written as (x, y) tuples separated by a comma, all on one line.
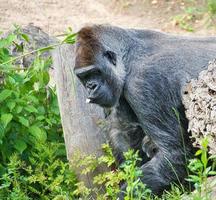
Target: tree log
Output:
[(199, 98), (200, 102)]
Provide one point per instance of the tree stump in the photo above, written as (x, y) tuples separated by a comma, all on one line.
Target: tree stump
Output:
[(79, 120)]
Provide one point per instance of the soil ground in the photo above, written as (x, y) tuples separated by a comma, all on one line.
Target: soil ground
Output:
[(54, 16)]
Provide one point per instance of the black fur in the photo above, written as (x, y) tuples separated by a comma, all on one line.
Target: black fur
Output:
[(141, 78)]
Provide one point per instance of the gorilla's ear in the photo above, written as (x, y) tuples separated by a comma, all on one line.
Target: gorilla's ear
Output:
[(111, 56)]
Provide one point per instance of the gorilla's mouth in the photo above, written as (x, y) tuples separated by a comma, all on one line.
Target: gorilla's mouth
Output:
[(99, 100), (94, 95), (88, 100), (92, 100), (95, 99)]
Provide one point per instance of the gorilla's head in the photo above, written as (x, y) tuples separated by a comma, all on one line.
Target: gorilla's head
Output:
[(99, 64)]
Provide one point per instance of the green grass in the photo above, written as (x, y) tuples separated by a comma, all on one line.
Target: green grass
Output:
[(195, 11)]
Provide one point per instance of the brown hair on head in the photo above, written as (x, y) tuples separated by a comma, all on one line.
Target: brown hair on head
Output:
[(86, 47)]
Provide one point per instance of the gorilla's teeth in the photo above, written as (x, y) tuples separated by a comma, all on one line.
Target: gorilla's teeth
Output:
[(88, 100)]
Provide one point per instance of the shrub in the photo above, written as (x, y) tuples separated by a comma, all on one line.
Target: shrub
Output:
[(33, 161)]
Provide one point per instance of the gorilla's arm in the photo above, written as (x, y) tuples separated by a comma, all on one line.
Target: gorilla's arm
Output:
[(164, 168), (160, 171), (117, 139), (118, 142), (125, 132)]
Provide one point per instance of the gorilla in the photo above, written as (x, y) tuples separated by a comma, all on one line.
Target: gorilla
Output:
[(149, 147), (140, 75)]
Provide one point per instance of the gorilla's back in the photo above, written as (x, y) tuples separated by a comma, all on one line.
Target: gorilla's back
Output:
[(178, 56)]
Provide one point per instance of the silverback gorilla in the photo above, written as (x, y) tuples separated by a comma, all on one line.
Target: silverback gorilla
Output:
[(140, 75)]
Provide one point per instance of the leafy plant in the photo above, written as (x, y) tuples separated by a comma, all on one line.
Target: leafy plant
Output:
[(201, 169), (186, 20), (211, 4), (108, 183), (135, 189), (33, 161), (45, 176), (195, 11), (28, 106)]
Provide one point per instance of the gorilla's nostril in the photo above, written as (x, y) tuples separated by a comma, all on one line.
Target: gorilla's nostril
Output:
[(94, 86)]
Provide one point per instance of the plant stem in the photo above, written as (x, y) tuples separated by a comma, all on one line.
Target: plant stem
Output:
[(31, 52)]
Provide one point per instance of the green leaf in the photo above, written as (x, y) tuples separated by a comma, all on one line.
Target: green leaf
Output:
[(39, 134), (41, 110), (194, 178), (41, 117), (70, 38), (6, 118), (5, 94), (11, 105), (33, 99), (212, 173), (4, 57), (11, 80), (198, 152), (44, 49), (204, 143), (31, 109), (46, 77), (25, 37), (204, 158), (24, 121), (19, 78), (19, 109), (1, 132), (20, 145), (7, 41)]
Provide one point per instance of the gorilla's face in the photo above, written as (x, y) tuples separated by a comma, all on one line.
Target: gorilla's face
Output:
[(99, 64), (98, 88), (101, 81)]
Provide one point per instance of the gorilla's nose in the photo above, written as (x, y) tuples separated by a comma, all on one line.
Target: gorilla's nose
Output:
[(91, 87), (94, 86)]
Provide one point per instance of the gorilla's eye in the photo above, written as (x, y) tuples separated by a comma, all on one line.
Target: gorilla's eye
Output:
[(111, 56)]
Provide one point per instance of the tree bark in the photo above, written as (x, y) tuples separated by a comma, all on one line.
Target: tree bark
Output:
[(200, 102)]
